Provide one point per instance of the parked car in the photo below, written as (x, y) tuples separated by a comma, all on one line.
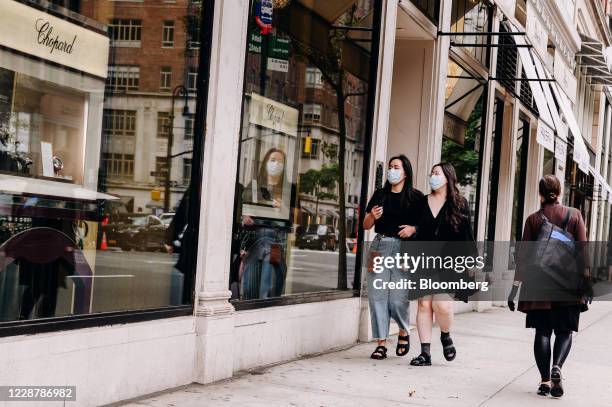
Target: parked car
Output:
[(166, 218), (114, 216), (319, 237), (141, 232)]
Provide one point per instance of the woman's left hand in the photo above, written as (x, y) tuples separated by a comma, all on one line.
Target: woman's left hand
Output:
[(406, 231)]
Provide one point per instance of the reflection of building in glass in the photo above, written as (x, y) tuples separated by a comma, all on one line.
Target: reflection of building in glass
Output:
[(154, 49)]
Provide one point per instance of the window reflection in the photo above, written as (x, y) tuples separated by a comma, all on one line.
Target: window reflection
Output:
[(305, 106), (85, 224)]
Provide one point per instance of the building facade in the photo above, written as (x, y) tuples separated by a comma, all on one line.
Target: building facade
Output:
[(208, 164)]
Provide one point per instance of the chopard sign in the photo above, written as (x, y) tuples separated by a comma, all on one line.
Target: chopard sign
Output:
[(51, 40)]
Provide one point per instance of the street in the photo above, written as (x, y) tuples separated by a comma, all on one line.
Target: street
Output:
[(315, 270), (494, 367)]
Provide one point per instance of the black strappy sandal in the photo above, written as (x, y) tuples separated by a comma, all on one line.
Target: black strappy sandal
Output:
[(544, 389), (556, 390), (422, 360), (448, 348), (402, 348), (379, 353)]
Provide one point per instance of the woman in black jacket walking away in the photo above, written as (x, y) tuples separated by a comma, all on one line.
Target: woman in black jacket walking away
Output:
[(548, 316)]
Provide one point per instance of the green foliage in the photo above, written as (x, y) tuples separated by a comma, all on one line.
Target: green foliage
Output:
[(320, 182), (465, 158)]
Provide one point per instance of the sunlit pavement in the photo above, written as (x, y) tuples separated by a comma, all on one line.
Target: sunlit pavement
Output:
[(494, 367)]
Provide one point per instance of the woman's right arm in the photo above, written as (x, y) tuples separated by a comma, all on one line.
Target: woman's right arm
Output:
[(372, 211), (369, 221)]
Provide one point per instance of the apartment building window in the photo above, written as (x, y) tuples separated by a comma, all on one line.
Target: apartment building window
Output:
[(314, 149), (123, 78), (192, 79), (119, 128), (312, 112), (314, 78), (125, 32), (186, 171), (163, 124), (118, 165), (119, 122), (188, 131), (165, 79), (161, 170), (168, 34)]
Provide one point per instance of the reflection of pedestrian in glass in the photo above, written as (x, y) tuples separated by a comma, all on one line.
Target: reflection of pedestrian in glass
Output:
[(444, 216), (390, 213), (562, 317), (262, 267), (267, 188), (177, 235)]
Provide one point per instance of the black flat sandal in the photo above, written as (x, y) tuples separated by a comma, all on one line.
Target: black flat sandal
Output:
[(556, 389), (379, 353), (544, 389), (422, 360), (402, 348), (448, 348)]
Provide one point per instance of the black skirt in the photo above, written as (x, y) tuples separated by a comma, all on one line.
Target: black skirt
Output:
[(562, 318)]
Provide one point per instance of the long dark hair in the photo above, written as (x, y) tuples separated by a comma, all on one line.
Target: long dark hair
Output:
[(455, 202), (409, 193), (262, 177)]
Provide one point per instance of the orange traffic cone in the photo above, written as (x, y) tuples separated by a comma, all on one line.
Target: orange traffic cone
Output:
[(103, 245)]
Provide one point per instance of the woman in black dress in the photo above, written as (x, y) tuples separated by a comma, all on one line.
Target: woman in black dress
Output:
[(444, 217), (560, 317)]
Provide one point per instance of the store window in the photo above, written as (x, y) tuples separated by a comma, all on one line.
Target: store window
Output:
[(295, 209), (94, 187), (462, 131), (472, 16)]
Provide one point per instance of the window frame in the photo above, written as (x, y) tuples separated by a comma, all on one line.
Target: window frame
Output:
[(168, 31), (165, 75), (329, 295)]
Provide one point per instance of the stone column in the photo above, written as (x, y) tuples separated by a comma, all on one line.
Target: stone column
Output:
[(214, 313)]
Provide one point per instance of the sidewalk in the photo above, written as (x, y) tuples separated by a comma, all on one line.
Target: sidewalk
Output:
[(494, 367)]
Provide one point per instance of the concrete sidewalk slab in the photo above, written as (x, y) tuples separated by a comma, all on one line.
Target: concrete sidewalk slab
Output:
[(494, 367)]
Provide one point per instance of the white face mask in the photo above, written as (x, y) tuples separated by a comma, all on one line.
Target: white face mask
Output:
[(274, 168), (394, 176), (436, 182)]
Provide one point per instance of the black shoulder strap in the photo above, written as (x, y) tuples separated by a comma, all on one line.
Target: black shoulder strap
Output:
[(542, 216), (567, 218)]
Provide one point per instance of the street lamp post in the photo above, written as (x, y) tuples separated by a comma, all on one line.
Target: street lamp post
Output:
[(180, 90)]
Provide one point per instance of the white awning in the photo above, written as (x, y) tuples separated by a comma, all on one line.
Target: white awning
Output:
[(605, 188), (545, 132), (581, 154)]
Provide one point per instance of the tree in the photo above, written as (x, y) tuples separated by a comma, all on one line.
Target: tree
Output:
[(319, 183)]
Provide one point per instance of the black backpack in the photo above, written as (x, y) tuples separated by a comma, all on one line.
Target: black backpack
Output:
[(557, 273)]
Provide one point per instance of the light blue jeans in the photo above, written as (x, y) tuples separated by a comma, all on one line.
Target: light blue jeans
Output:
[(386, 303)]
